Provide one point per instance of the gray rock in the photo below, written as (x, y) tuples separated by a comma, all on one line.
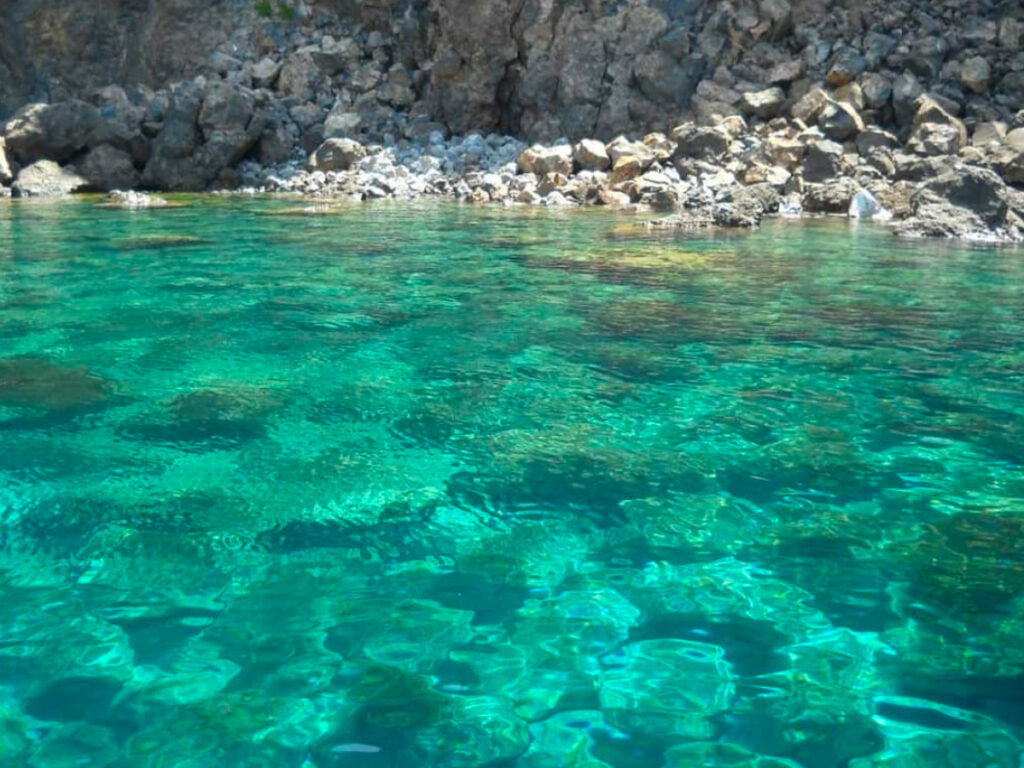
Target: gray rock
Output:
[(51, 131), (107, 168), (1011, 33), (988, 134), (764, 104), (591, 155), (978, 190), (975, 73), (874, 138), (785, 72), (265, 71), (336, 155), (840, 121), (906, 90), (809, 106), (877, 90), (44, 178), (847, 65), (833, 196), (702, 143), (823, 160), (935, 139)]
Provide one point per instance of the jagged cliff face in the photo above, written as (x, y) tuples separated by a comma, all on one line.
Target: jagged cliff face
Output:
[(539, 67)]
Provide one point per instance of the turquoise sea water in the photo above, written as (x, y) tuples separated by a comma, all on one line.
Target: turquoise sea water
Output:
[(436, 486)]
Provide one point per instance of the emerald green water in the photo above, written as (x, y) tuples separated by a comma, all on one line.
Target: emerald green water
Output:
[(436, 486)]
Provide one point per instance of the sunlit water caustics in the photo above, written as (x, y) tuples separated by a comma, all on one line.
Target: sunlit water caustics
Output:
[(413, 487)]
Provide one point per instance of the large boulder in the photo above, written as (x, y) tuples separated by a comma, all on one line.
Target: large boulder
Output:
[(978, 190), (205, 131), (541, 160), (591, 155), (336, 155), (121, 121), (107, 168), (44, 178), (51, 131), (171, 165)]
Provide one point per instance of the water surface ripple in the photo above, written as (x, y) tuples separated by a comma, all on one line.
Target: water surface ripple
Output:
[(415, 486)]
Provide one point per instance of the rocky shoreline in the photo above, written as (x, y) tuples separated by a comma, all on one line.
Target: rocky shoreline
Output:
[(899, 111), (727, 174)]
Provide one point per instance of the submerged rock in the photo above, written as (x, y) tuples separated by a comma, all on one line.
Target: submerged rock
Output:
[(37, 383)]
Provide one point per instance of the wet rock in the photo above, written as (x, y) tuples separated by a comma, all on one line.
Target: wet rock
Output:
[(44, 178), (107, 168), (51, 131), (132, 201), (336, 155)]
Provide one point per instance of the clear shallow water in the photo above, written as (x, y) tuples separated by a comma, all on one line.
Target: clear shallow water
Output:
[(453, 487)]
